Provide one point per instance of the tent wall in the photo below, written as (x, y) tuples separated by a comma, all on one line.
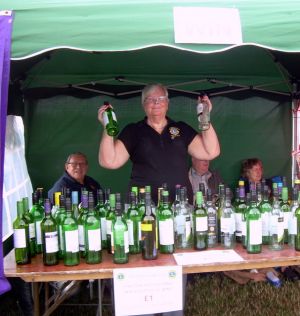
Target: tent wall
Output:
[(248, 125)]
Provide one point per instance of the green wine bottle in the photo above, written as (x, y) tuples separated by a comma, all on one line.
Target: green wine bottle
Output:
[(49, 237), (81, 222), (120, 235), (265, 210), (239, 210), (166, 226), (30, 222), (92, 233), (292, 225), (149, 231), (101, 211), (200, 224), (75, 209), (21, 236), (37, 213), (297, 236), (60, 217), (70, 236), (110, 218), (110, 121), (286, 209), (141, 203)]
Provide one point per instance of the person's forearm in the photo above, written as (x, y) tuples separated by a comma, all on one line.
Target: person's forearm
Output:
[(107, 152), (210, 142)]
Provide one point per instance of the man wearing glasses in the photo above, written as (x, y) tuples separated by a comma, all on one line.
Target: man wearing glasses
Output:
[(74, 177)]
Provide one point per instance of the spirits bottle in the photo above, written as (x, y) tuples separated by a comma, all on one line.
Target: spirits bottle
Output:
[(276, 224), (182, 223), (110, 121), (254, 226), (227, 223), (166, 226), (239, 211), (134, 219), (49, 237), (21, 236), (70, 236), (60, 217), (30, 222), (120, 235), (292, 225), (203, 115), (101, 211), (286, 209), (200, 224), (81, 221), (37, 213), (92, 234), (265, 210), (110, 218), (212, 221), (149, 232), (75, 201)]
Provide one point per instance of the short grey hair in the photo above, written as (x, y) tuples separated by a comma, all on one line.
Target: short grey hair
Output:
[(149, 88), (78, 153)]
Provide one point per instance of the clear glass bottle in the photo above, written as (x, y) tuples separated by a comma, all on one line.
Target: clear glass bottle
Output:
[(286, 209), (110, 121), (177, 197), (37, 213), (203, 115), (28, 216), (70, 236), (292, 225), (49, 237), (211, 221), (55, 206), (101, 211), (21, 236), (265, 210), (81, 221), (200, 224)]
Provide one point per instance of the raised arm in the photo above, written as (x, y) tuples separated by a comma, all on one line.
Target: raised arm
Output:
[(205, 145), (112, 152)]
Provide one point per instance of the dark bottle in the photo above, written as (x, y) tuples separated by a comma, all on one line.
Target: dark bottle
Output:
[(110, 121), (21, 236), (200, 224), (149, 231), (70, 236), (101, 211), (120, 235), (30, 221), (60, 217), (81, 220), (134, 219), (49, 237), (37, 213), (92, 233), (110, 218)]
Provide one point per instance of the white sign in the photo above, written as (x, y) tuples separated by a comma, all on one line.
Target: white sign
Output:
[(207, 25), (150, 290)]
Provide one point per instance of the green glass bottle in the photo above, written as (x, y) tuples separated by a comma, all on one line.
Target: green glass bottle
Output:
[(254, 226), (37, 213), (292, 225), (81, 220), (49, 237), (166, 226), (110, 218), (70, 236), (21, 236), (75, 209), (244, 221), (59, 218), (110, 121), (297, 236), (212, 221), (286, 209), (101, 211), (220, 203), (227, 223), (92, 233), (239, 211), (149, 231), (30, 221), (141, 203), (265, 210), (200, 224), (120, 235), (133, 221)]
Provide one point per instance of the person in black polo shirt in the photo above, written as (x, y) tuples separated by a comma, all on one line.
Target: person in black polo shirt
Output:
[(157, 146)]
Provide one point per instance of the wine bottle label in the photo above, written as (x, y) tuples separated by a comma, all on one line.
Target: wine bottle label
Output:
[(51, 242), (180, 224), (286, 216), (146, 227), (72, 240), (277, 226), (265, 224), (103, 228), (108, 227), (243, 225), (140, 231), (188, 228), (166, 232), (94, 239), (126, 242), (20, 238), (38, 233), (81, 238), (226, 225), (292, 225), (238, 224), (130, 232), (105, 118), (201, 224), (255, 232)]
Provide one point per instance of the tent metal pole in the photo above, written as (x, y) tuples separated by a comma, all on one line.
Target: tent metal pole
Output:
[(93, 90)]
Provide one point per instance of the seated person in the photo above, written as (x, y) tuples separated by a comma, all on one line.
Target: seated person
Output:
[(74, 177), (200, 173)]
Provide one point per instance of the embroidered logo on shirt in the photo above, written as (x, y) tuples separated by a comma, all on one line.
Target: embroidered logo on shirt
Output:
[(174, 132)]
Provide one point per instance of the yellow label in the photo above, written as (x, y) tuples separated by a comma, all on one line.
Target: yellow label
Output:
[(146, 227)]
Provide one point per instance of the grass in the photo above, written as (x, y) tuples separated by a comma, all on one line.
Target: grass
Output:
[(209, 294)]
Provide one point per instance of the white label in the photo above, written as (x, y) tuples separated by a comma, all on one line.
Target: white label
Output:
[(180, 224), (130, 232), (201, 224), (166, 232), (38, 233), (187, 229), (286, 217), (238, 224), (72, 240), (103, 228), (81, 237), (227, 225), (94, 239), (108, 227), (20, 238), (265, 218), (51, 242), (31, 231), (277, 226), (255, 231), (243, 224), (126, 242), (293, 225), (105, 118)]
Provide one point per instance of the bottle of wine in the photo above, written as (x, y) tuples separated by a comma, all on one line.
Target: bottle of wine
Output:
[(220, 204), (37, 213), (200, 224), (203, 115), (70, 236), (56, 205), (102, 213), (286, 209), (110, 121), (239, 210), (21, 236), (254, 226), (141, 198), (134, 219), (30, 221), (59, 218), (166, 226), (92, 231), (120, 235), (211, 221), (149, 232), (110, 218), (81, 221), (265, 210), (49, 237), (75, 201), (292, 225)]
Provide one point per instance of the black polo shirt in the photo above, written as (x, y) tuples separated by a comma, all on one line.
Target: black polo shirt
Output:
[(159, 158)]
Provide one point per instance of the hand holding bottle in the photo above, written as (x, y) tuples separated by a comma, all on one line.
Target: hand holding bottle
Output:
[(108, 119), (204, 107)]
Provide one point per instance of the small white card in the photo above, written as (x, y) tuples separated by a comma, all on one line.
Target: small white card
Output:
[(207, 257), (147, 290)]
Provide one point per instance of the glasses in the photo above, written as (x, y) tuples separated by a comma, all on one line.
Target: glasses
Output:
[(156, 100), (75, 164)]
